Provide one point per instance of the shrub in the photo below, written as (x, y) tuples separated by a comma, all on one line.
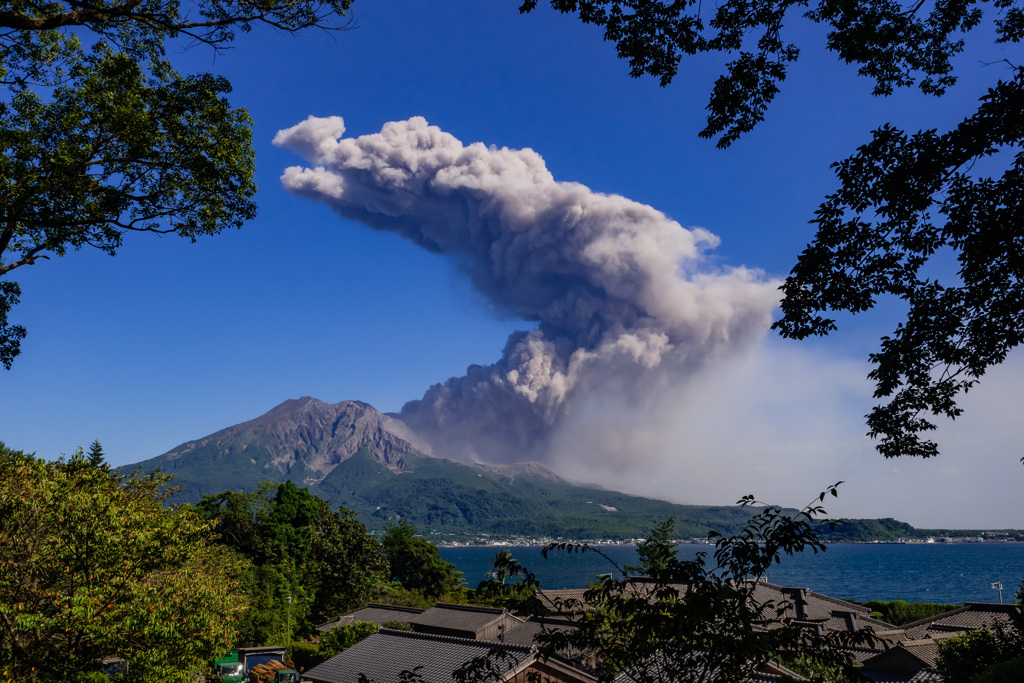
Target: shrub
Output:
[(1007, 672)]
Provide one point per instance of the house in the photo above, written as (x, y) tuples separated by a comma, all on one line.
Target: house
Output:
[(466, 621), (527, 632), (373, 613), (972, 616), (903, 661), (662, 667), (389, 656), (460, 621), (912, 658), (805, 607), (568, 603)]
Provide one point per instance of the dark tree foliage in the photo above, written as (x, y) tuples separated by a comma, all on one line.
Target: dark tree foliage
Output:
[(899, 612), (903, 197), (290, 521), (658, 551), (346, 565), (964, 657), (416, 564), (101, 138), (96, 457), (1011, 671), (508, 584), (300, 547), (692, 620)]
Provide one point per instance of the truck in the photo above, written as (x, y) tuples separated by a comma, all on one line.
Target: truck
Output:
[(229, 668), (274, 671), (255, 665)]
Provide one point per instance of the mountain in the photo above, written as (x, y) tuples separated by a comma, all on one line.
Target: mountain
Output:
[(445, 499), (301, 439), (351, 454)]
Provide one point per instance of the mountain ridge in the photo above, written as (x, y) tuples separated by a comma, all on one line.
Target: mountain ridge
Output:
[(352, 455), (312, 434)]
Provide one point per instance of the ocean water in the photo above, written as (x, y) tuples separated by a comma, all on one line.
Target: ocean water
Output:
[(951, 573)]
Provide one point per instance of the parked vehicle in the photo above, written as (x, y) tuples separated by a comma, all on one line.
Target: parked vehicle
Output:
[(229, 668)]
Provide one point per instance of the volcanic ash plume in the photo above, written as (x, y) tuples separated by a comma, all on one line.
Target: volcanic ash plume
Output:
[(622, 311)]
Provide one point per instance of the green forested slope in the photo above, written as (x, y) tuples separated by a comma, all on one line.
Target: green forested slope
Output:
[(453, 499)]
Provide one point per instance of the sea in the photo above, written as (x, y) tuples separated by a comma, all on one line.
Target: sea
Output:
[(947, 573)]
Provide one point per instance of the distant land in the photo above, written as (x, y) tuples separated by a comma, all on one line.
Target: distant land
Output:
[(353, 455)]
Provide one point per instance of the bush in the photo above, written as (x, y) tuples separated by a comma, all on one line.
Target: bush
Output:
[(343, 637), (899, 612), (305, 654), (397, 625), (1007, 672), (396, 594), (961, 658)]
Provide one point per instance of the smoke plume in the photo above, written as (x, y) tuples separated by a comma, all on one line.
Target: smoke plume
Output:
[(625, 305)]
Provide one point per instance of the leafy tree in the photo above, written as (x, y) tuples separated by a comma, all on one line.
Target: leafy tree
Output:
[(345, 636), (657, 551), (100, 137), (288, 528), (416, 564), (300, 547), (95, 567), (501, 566), (963, 657), (903, 198), (346, 566), (496, 590), (237, 520), (268, 587), (1011, 671), (689, 621)]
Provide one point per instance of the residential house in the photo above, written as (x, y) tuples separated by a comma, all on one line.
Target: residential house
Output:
[(390, 656)]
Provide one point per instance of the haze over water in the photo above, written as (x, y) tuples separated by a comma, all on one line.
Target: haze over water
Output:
[(941, 573)]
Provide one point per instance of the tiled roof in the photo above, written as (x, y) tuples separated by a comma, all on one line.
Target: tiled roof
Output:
[(927, 650), (377, 614), (816, 607), (659, 666), (886, 677), (387, 653), (861, 654), (908, 657), (970, 617), (528, 631), (564, 601), (459, 617), (839, 621)]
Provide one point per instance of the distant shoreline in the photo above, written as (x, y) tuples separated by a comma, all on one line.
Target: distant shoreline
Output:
[(544, 544)]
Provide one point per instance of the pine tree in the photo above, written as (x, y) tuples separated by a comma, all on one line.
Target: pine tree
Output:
[(96, 458)]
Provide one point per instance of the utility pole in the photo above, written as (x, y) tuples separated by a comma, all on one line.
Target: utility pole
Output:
[(289, 636), (998, 586)]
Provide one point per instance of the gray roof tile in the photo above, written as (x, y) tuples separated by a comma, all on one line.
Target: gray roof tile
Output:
[(970, 617), (528, 631), (377, 614), (462, 617), (387, 653)]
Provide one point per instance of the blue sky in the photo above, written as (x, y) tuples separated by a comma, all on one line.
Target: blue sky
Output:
[(170, 341)]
